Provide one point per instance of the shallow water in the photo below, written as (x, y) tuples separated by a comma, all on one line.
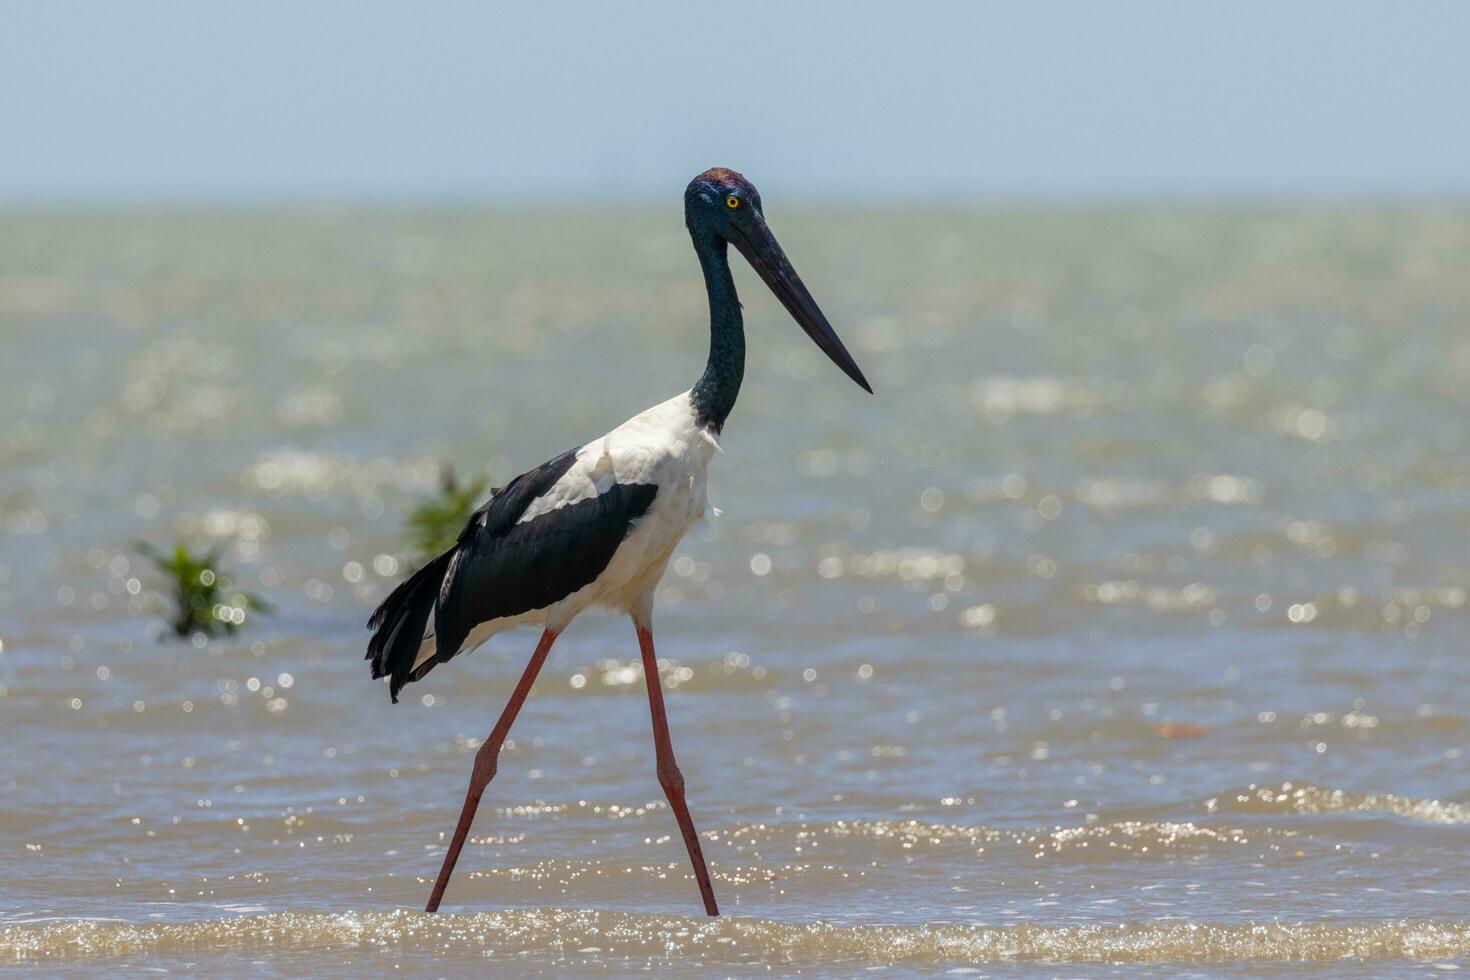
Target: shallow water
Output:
[(1123, 630)]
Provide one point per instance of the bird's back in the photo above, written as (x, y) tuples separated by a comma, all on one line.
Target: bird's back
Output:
[(593, 526)]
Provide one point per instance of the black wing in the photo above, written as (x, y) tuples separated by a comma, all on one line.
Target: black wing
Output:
[(502, 568)]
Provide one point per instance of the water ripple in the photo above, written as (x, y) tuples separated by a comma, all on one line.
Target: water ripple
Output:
[(559, 933)]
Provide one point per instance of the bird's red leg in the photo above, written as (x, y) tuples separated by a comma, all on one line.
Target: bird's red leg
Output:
[(669, 776), (485, 761)]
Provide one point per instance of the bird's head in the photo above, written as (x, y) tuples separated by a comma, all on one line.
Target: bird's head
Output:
[(723, 204)]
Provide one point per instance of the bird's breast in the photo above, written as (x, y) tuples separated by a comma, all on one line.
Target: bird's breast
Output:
[(666, 448)]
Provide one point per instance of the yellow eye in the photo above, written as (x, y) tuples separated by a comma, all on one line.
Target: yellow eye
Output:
[(732, 202)]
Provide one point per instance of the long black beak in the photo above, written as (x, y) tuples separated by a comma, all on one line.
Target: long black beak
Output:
[(764, 253)]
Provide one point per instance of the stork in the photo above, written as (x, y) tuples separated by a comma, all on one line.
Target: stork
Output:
[(596, 525)]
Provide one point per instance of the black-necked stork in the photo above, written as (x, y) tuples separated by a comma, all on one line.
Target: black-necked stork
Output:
[(596, 525)]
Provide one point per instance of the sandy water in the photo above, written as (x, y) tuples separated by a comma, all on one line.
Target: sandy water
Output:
[(1123, 632)]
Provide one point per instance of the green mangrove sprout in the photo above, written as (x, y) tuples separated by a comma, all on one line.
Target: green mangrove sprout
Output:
[(204, 598), (434, 525)]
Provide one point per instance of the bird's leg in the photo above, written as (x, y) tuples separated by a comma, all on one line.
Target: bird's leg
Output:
[(669, 776), (485, 761)]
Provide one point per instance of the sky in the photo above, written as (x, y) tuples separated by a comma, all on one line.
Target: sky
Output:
[(329, 100)]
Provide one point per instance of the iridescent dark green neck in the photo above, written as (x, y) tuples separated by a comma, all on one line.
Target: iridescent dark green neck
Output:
[(714, 393)]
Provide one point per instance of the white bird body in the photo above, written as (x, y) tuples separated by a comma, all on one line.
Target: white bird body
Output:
[(664, 447)]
